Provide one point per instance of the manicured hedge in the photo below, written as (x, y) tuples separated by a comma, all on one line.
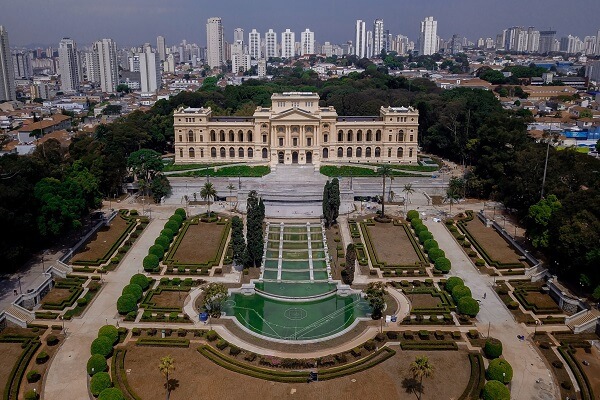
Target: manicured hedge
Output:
[(427, 345), (443, 264), (434, 254), (141, 280), (492, 348), (150, 263), (494, 390), (412, 214), (499, 370), (126, 304), (425, 235), (163, 241), (168, 233), (157, 249), (134, 290), (430, 244), (102, 345), (468, 306), (476, 379), (111, 394), (172, 225), (163, 342), (461, 291), (100, 382), (181, 212), (452, 282), (109, 331), (97, 362)]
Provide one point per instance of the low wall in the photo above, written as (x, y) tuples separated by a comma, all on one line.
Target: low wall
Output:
[(565, 302), (69, 254)]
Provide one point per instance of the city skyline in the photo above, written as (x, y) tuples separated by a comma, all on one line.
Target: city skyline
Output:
[(137, 21)]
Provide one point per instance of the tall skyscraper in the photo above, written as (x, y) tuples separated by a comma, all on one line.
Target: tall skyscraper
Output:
[(360, 44), (598, 43), (378, 37), (307, 42), (215, 43), (161, 49), (369, 44), (546, 41), (270, 44), (108, 66), (7, 72), (70, 67), (92, 66), (149, 71), (238, 35), (288, 42), (254, 44), (22, 64), (428, 38)]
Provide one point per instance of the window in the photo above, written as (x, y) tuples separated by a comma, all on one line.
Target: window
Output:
[(213, 152), (281, 142), (249, 136), (192, 153), (181, 138), (202, 138), (231, 136), (309, 142), (390, 138), (309, 104), (359, 136), (340, 136), (281, 104), (213, 136), (201, 153), (265, 153), (325, 138), (389, 152), (222, 136), (241, 152), (368, 152), (401, 136), (350, 136), (308, 129), (359, 152), (190, 136), (410, 152), (369, 136), (264, 138), (294, 142), (250, 153), (181, 153), (411, 138), (294, 129), (231, 152), (378, 136), (240, 136), (349, 152), (222, 152), (377, 152), (340, 152), (263, 126), (400, 152), (280, 129), (295, 104), (325, 153)]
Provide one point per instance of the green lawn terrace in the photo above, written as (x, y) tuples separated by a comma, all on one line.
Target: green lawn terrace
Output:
[(295, 298)]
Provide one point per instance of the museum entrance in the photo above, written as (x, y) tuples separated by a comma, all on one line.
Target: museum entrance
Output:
[(280, 157), (294, 157), (309, 157)]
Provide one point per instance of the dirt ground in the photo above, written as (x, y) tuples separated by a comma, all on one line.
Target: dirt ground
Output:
[(423, 300), (169, 299), (10, 354), (102, 241), (592, 371), (541, 300), (498, 249), (384, 381), (392, 245), (56, 295), (200, 243)]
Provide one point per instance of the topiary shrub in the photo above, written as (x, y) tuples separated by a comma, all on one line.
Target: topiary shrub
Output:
[(102, 346), (494, 390), (109, 331), (141, 280), (82, 302), (419, 227), (177, 218), (499, 370), (42, 358), (181, 213), (468, 306), (452, 282), (111, 394), (31, 395), (492, 348), (412, 214), (163, 241), (430, 244), (96, 363), (126, 304), (52, 340), (150, 263), (134, 290), (443, 264), (157, 249), (425, 235), (99, 382), (168, 233), (33, 376), (172, 225), (434, 254), (211, 336), (480, 262), (461, 291)]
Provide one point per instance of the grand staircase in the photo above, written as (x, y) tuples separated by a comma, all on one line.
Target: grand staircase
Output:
[(583, 321)]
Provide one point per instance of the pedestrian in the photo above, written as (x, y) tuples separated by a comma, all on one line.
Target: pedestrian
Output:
[(484, 295), (15, 291)]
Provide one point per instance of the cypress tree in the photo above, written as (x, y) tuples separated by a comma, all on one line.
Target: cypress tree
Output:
[(254, 231), (326, 204)]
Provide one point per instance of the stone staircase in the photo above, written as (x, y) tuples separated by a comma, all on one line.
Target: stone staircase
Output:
[(583, 321), (19, 315)]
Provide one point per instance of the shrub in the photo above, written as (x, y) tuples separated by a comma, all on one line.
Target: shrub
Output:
[(472, 253), (126, 304), (566, 385), (168, 233), (499, 370), (468, 306), (52, 340), (434, 254), (97, 362), (392, 335), (494, 390), (100, 382), (31, 395), (82, 302), (221, 344), (157, 249), (150, 263), (163, 241), (211, 336), (443, 264), (177, 218), (42, 358), (480, 262), (419, 228), (33, 376), (425, 235), (109, 331), (512, 305), (172, 225), (111, 394), (452, 282), (430, 244), (557, 364), (492, 348), (412, 214), (234, 350), (102, 346), (141, 280), (133, 289), (370, 345), (94, 286), (459, 292), (181, 213)]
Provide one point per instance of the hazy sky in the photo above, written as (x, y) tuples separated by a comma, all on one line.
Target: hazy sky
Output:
[(133, 22)]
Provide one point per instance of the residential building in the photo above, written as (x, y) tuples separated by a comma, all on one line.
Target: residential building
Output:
[(92, 66), (7, 71), (254, 44), (428, 38), (295, 130), (240, 61), (262, 68), (22, 65), (288, 42), (533, 40), (70, 67), (360, 44), (150, 76), (169, 65), (598, 43), (546, 41), (108, 66), (238, 35), (215, 43), (592, 71), (307, 41), (161, 49), (271, 44), (378, 37)]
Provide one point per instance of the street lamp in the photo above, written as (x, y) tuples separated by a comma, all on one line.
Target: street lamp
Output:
[(535, 329)]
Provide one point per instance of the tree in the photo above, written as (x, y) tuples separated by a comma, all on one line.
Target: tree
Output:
[(166, 366), (384, 171), (495, 390), (539, 217), (214, 296), (408, 190), (375, 293), (331, 201), (160, 187), (145, 164), (208, 193), (452, 196), (348, 272), (255, 215), (421, 368), (238, 243)]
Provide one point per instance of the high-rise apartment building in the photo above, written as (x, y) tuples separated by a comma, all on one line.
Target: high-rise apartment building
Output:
[(378, 37), (598, 43), (369, 44), (92, 66), (288, 42), (238, 35), (307, 41), (161, 48), (240, 61), (7, 71), (70, 67), (108, 66), (360, 44), (149, 71), (22, 64), (546, 41), (533, 40), (215, 43), (428, 38), (254, 44), (270, 44)]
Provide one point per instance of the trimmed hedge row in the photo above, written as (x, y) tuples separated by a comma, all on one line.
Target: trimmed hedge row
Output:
[(30, 346), (75, 292), (163, 342), (521, 295), (429, 345), (477, 378), (582, 380), (149, 306), (119, 375)]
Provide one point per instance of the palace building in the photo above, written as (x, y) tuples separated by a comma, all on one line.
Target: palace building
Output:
[(295, 130)]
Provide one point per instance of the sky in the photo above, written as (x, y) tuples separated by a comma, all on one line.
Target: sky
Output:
[(134, 22)]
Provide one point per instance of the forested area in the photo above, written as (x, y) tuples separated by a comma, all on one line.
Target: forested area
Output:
[(466, 126)]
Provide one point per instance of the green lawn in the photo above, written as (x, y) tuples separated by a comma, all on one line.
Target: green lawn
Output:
[(187, 167), (346, 170), (239, 170)]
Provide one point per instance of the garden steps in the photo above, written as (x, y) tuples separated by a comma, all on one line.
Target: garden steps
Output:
[(22, 315), (584, 319)]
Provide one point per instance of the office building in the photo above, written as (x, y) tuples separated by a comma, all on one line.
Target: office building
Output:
[(307, 41), (108, 66), (70, 67), (149, 71), (254, 44), (7, 71), (161, 48), (546, 42), (215, 43), (288, 44), (378, 37), (360, 43), (428, 38)]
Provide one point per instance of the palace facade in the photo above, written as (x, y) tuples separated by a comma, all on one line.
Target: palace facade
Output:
[(295, 130)]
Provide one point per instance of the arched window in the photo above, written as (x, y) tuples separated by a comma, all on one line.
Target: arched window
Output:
[(400, 152), (190, 136), (222, 136), (222, 152), (349, 152), (369, 136), (231, 136), (389, 152), (240, 136), (213, 136), (368, 152), (265, 153), (325, 153), (377, 152), (192, 153), (359, 152), (378, 136), (250, 153), (231, 152), (359, 136), (340, 152), (350, 136), (213, 152), (340, 136), (325, 138), (249, 136), (401, 135), (201, 153), (241, 152), (181, 153), (410, 152)]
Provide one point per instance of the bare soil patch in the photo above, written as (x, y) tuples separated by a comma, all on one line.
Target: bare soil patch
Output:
[(169, 299), (497, 248), (10, 354), (392, 245), (56, 295), (540, 300), (102, 241), (200, 243), (384, 381), (592, 371), (423, 300)]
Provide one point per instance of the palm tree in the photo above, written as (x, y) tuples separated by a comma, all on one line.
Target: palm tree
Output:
[(166, 366), (230, 187), (452, 195), (384, 171), (421, 368), (208, 193), (408, 189)]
